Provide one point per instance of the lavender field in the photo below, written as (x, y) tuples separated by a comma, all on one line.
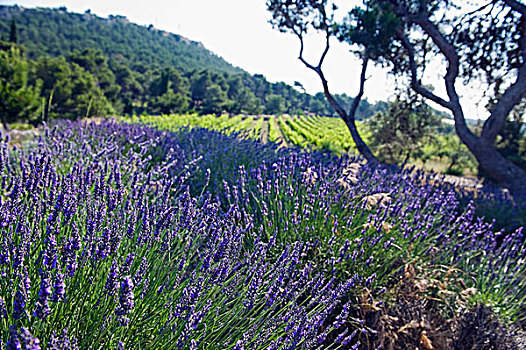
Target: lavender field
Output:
[(121, 236)]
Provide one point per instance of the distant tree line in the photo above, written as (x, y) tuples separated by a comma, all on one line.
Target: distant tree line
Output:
[(86, 83)]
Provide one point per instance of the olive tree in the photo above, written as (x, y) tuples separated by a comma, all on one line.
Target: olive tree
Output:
[(480, 42)]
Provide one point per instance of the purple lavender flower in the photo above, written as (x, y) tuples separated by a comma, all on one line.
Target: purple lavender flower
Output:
[(59, 288), (64, 342), (112, 283), (30, 342), (126, 302), (42, 305), (141, 272), (50, 254), (19, 304), (3, 309), (13, 343), (239, 345)]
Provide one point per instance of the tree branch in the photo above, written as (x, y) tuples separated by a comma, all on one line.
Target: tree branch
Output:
[(300, 57), (510, 98), (330, 98), (516, 6), (327, 37), (357, 99), (286, 21), (448, 50), (326, 50), (415, 83)]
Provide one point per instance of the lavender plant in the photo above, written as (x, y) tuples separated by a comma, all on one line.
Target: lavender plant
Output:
[(126, 236), (140, 263)]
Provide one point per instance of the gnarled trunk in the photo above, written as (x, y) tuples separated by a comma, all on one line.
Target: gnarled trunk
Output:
[(489, 158), (492, 161)]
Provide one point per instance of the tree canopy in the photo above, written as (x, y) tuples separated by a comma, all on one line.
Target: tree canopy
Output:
[(479, 42), (19, 99)]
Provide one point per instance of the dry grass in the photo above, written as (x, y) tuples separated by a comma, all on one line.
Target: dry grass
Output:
[(428, 309)]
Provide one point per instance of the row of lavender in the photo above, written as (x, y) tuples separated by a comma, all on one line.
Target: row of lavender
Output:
[(124, 236)]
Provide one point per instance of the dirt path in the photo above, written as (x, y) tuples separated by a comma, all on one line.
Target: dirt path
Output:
[(264, 131)]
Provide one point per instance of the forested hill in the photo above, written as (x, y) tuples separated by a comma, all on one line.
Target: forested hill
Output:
[(85, 65), (57, 32)]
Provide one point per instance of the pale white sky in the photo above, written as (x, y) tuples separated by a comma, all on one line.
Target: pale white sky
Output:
[(238, 31)]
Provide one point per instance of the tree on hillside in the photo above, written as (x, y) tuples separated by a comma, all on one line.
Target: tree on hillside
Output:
[(70, 91), (131, 90), (96, 63), (199, 81), (243, 99), (169, 102), (317, 107), (19, 100), (13, 32), (480, 42), (168, 78), (300, 16), (215, 99), (275, 104)]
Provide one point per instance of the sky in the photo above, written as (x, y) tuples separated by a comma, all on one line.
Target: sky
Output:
[(239, 32)]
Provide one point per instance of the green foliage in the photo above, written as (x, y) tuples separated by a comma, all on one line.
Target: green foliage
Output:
[(243, 99), (403, 129), (94, 62), (130, 87), (317, 107), (134, 67), (371, 29), (274, 104), (57, 32), (215, 99), (13, 33), (19, 100), (310, 132), (70, 91), (169, 102), (21, 126)]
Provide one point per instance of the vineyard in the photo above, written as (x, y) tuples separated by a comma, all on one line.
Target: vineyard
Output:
[(446, 154), (312, 132)]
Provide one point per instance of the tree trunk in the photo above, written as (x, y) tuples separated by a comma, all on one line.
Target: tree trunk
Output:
[(361, 146), (349, 117), (498, 167), (3, 118), (493, 162), (4, 123)]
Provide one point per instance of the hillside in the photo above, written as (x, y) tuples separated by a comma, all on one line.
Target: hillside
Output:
[(140, 58), (56, 32)]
